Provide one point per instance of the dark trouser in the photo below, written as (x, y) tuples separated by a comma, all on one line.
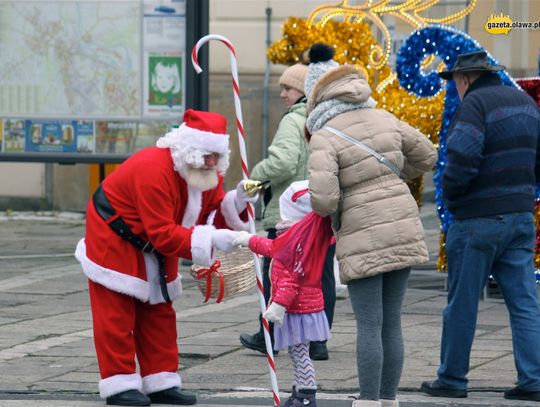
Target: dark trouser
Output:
[(267, 285), (328, 285)]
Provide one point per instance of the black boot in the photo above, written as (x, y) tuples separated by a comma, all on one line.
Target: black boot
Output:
[(519, 393), (291, 398), (128, 398), (301, 398), (173, 396), (435, 389), (255, 342), (318, 350)]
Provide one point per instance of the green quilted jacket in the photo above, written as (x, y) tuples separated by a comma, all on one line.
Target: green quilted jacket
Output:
[(287, 160)]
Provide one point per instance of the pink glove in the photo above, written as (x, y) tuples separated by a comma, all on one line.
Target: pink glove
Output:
[(275, 313)]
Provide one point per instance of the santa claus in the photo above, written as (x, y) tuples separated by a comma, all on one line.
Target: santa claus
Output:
[(161, 204)]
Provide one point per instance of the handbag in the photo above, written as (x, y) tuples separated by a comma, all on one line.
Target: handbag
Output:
[(382, 159)]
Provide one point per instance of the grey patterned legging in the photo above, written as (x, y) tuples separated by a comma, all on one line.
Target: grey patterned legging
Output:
[(304, 372), (376, 302)]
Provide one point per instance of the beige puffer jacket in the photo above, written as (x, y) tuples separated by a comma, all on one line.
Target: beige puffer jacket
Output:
[(375, 216)]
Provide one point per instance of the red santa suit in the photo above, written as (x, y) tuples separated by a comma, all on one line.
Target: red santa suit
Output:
[(148, 191)]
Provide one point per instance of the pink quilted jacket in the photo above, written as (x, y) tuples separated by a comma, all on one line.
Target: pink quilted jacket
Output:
[(299, 293)]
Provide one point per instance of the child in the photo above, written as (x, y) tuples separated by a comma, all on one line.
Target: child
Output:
[(297, 305)]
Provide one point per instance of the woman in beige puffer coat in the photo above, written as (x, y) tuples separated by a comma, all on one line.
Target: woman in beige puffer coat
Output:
[(378, 231)]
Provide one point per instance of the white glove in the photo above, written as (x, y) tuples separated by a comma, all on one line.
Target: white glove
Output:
[(223, 239), (274, 313), (242, 239), (242, 198)]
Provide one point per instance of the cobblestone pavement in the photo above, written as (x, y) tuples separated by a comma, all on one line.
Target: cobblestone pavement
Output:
[(47, 356)]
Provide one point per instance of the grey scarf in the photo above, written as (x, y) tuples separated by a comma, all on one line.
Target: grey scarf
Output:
[(329, 109)]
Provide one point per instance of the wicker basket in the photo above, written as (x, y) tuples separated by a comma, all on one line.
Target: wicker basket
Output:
[(237, 271)]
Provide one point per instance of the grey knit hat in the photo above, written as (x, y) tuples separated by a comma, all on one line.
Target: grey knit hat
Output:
[(320, 57)]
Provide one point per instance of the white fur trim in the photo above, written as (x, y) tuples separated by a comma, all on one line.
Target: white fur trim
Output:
[(119, 383), (193, 207), (174, 288), (184, 140), (198, 139), (201, 245), (230, 213), (112, 279), (160, 381), (211, 217)]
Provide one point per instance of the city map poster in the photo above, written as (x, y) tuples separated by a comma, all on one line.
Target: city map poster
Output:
[(14, 136), (164, 83), (71, 59), (50, 135)]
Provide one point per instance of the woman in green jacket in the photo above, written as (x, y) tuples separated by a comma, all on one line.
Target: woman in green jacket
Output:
[(287, 162)]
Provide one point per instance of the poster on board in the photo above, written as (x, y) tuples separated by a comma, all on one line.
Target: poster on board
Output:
[(85, 136), (164, 43), (50, 135), (14, 135)]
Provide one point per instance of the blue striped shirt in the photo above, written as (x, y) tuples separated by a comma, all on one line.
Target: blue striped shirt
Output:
[(492, 151)]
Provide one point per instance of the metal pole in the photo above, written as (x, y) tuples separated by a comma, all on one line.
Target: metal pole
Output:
[(49, 190), (466, 22), (197, 14), (266, 93)]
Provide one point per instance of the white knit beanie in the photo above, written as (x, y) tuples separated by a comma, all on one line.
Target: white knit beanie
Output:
[(320, 57)]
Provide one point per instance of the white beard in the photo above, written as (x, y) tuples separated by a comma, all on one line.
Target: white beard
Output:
[(202, 179)]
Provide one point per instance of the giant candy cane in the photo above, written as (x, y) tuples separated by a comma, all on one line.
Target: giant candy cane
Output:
[(245, 173)]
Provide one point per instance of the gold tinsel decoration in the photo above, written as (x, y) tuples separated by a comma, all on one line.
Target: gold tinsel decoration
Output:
[(442, 265), (353, 42)]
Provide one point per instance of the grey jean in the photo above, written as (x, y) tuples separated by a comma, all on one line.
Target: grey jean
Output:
[(376, 302)]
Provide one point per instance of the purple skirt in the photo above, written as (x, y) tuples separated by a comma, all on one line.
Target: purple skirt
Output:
[(300, 328)]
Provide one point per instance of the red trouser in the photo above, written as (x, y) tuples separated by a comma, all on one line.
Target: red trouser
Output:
[(125, 327)]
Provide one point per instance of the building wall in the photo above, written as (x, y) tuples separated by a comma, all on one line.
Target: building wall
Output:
[(244, 23)]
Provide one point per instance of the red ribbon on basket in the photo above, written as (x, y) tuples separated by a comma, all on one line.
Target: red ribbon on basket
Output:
[(202, 273)]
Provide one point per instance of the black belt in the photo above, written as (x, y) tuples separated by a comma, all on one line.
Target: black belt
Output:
[(117, 224)]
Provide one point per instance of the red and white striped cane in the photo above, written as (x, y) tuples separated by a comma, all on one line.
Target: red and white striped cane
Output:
[(245, 173)]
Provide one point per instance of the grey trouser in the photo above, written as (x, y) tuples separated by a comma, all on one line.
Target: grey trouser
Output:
[(376, 302)]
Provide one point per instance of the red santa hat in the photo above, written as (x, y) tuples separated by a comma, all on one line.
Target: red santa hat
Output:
[(205, 131), (201, 133)]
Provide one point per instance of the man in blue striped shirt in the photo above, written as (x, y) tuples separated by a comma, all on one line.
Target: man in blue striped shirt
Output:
[(489, 187)]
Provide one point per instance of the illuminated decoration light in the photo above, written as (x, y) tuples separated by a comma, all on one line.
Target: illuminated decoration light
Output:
[(450, 43), (383, 84), (373, 10)]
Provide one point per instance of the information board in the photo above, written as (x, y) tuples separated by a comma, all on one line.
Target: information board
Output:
[(90, 76)]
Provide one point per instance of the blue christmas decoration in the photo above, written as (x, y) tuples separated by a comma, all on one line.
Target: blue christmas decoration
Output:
[(446, 43)]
